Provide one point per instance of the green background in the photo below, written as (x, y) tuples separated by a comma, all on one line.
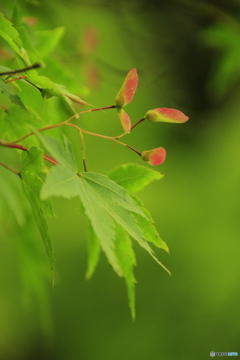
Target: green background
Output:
[(187, 55)]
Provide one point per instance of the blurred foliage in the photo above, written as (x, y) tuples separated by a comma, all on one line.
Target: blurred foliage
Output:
[(187, 55)]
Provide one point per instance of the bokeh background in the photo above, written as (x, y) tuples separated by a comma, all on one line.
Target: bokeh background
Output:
[(187, 54)]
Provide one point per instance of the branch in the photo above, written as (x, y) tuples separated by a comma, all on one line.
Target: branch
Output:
[(34, 66), (20, 147)]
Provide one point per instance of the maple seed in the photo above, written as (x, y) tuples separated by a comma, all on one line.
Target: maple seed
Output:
[(128, 89), (154, 157), (125, 120), (166, 115)]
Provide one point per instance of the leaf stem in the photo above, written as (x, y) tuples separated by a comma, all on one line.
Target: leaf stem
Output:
[(89, 110), (88, 132), (83, 151), (66, 122), (137, 152), (104, 108), (9, 168), (15, 79), (104, 137), (137, 123), (32, 133), (81, 131)]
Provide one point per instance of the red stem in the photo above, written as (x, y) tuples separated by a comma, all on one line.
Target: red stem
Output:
[(137, 152), (104, 108), (137, 123), (20, 147), (15, 79)]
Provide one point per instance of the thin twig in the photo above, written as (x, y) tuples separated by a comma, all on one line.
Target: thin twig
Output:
[(104, 137), (88, 132), (34, 66), (9, 168), (89, 110), (15, 79), (104, 108), (32, 133), (83, 151), (137, 123), (21, 147)]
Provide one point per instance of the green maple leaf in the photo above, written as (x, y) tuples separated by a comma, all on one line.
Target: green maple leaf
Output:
[(113, 213)]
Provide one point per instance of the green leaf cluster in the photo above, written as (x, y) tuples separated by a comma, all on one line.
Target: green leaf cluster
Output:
[(30, 47), (116, 216)]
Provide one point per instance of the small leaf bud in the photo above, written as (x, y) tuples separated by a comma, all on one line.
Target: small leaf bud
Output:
[(154, 157), (125, 120), (166, 115), (128, 89)]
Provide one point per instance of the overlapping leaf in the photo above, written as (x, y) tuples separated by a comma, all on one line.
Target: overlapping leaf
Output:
[(31, 166), (134, 177), (33, 271), (15, 99), (94, 250), (10, 34), (48, 88), (16, 122), (150, 232), (127, 261)]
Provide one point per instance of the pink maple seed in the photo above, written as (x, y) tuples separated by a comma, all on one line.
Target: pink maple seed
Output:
[(154, 157), (128, 89), (90, 39), (30, 20), (125, 120), (166, 115)]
